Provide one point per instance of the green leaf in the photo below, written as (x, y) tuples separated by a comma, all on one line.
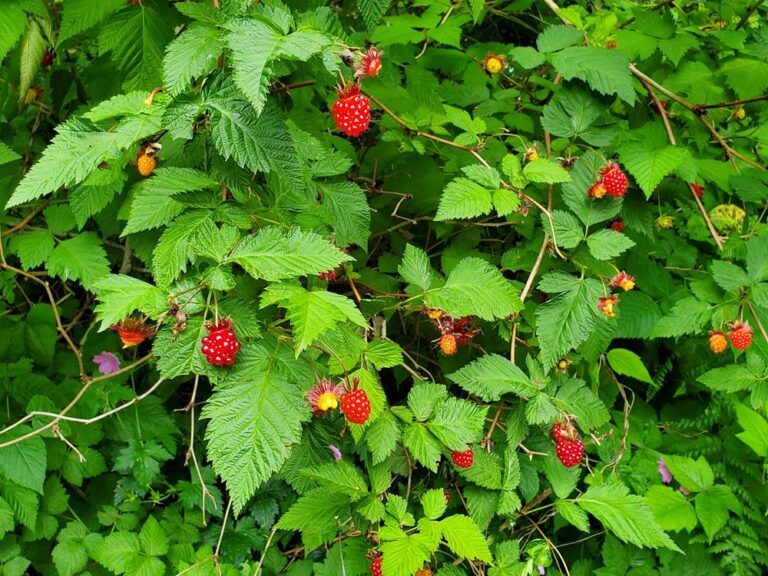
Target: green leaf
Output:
[(627, 363), (695, 475), (382, 437), (254, 419), (384, 353), (492, 376), (193, 54), (580, 401), (70, 555), (314, 514), (32, 248), (424, 397), (729, 277), (350, 214), (372, 11), (60, 166), (566, 320), (153, 540), (527, 56), (672, 510), (569, 231), (434, 504), (486, 471), (80, 15), (625, 515), (463, 198), (584, 173), (464, 538), (606, 71), (32, 49), (415, 268), (755, 427), (607, 244), (276, 254), (457, 423), (546, 171), (24, 462), (153, 204), (175, 246), (422, 445), (136, 39), (650, 164), (12, 26), (687, 316), (261, 143), (563, 480), (476, 288), (729, 379), (757, 258), (80, 258), (571, 113), (6, 518), (7, 154), (339, 478), (747, 77), (556, 38), (712, 508), (404, 556), (311, 314), (573, 514), (117, 550)]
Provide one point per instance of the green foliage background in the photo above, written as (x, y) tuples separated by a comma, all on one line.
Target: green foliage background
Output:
[(174, 466)]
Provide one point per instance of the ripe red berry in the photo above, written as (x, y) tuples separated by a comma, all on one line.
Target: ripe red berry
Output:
[(221, 345), (48, 58), (569, 452), (355, 406), (463, 459), (740, 335), (563, 431), (330, 275), (617, 225), (698, 189), (614, 180), (352, 111), (448, 344), (376, 566), (717, 341)]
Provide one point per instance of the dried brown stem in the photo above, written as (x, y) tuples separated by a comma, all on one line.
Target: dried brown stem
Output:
[(28, 218), (732, 103)]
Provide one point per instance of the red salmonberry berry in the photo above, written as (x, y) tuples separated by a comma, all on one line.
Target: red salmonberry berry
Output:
[(463, 459), (376, 566), (617, 225), (563, 431), (698, 189), (448, 344), (740, 335), (330, 275), (569, 452), (352, 111), (717, 341), (614, 180), (221, 345), (355, 405), (48, 58)]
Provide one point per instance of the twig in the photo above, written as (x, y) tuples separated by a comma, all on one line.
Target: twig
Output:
[(757, 320), (556, 9), (732, 103), (205, 493), (672, 140), (221, 537), (28, 218), (264, 552), (748, 13), (494, 423), (289, 87)]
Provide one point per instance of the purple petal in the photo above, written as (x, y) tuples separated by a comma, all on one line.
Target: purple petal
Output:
[(542, 570), (666, 475), (107, 363), (335, 451), (684, 490)]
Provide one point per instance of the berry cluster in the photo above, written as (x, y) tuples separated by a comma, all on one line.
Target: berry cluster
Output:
[(454, 332), (612, 181), (221, 345), (352, 111), (739, 333), (568, 446), (607, 304)]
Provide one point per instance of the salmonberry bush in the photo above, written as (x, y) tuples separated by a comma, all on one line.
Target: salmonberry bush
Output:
[(368, 287)]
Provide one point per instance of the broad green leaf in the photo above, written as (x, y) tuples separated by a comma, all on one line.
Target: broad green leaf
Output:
[(350, 214), (463, 198), (545, 171), (424, 398), (712, 507), (555, 38), (567, 319), (153, 540), (591, 211), (175, 247), (405, 555), (695, 475), (729, 378), (80, 15), (415, 268), (687, 316), (32, 248), (649, 164), (315, 514), (422, 445), (276, 254), (476, 288), (606, 71), (384, 353), (757, 258), (81, 258), (372, 11), (383, 436), (573, 514), (563, 480), (192, 54), (32, 50), (491, 376), (527, 56), (580, 401), (755, 427), (255, 416), (671, 509), (464, 538), (627, 363), (745, 76), (24, 462), (311, 313), (12, 26), (339, 478), (116, 551), (729, 277), (7, 154), (569, 231), (607, 244), (625, 515), (434, 504), (457, 423)]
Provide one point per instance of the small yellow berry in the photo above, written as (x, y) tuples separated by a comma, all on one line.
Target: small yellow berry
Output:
[(327, 401), (739, 113)]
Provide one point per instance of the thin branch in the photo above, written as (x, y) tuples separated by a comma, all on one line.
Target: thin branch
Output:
[(221, 537), (732, 103), (556, 9), (748, 13), (28, 218), (264, 552), (757, 320)]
